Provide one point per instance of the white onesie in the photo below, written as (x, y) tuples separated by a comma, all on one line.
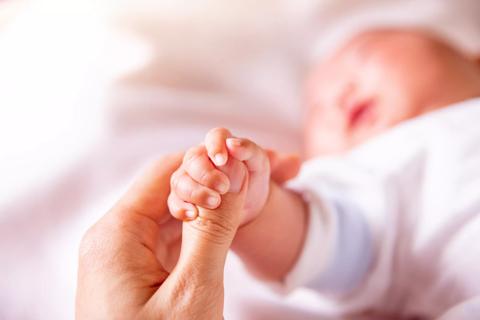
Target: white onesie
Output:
[(394, 225)]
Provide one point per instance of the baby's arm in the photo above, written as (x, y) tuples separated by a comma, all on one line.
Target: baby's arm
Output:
[(270, 245), (274, 220)]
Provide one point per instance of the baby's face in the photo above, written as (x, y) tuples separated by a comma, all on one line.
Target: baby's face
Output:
[(379, 79)]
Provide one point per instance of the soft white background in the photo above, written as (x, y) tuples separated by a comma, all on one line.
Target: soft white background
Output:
[(92, 90)]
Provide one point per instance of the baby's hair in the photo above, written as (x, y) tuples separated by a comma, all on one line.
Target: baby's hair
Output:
[(439, 42)]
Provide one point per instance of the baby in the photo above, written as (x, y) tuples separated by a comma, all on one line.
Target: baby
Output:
[(384, 217)]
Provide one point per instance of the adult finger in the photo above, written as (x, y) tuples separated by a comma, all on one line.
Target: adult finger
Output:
[(207, 239)]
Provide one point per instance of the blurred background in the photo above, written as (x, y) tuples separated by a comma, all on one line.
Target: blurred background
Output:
[(91, 90)]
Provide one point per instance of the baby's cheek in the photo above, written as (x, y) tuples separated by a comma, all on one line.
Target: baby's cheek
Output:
[(311, 134), (311, 149), (321, 139)]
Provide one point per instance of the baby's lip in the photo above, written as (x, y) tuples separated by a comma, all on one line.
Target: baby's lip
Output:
[(360, 112)]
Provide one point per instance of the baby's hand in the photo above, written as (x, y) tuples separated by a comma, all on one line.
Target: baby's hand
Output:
[(215, 168)]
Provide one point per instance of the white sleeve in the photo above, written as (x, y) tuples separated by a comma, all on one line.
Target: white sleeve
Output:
[(337, 251), (349, 246)]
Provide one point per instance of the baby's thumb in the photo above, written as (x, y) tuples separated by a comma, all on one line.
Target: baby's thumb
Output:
[(207, 239)]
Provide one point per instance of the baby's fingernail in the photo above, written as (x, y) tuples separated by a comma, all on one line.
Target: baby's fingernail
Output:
[(220, 159), (221, 187), (190, 214), (234, 142), (212, 201)]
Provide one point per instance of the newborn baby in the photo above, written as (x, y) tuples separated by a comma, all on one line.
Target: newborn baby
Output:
[(384, 217)]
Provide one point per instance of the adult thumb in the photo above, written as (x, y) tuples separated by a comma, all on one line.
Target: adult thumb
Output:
[(197, 279), (207, 239)]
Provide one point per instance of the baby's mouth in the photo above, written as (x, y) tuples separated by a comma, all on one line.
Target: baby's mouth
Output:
[(360, 113)]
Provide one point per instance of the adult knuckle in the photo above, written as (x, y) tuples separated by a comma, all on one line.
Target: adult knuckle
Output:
[(216, 229)]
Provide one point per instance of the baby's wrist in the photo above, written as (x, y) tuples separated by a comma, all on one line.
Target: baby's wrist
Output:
[(250, 217), (262, 243)]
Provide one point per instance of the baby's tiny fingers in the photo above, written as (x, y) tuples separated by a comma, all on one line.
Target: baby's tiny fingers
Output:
[(215, 144), (199, 167), (191, 191), (254, 156), (180, 209)]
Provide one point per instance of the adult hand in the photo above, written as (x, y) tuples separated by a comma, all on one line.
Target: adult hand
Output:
[(130, 266)]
